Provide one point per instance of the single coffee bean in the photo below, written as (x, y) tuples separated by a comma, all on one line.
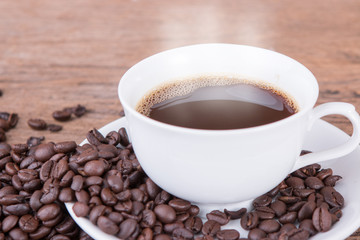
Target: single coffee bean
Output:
[(332, 197), (61, 168), (48, 211), (165, 213), (77, 183), (324, 173), (66, 226), (322, 219), (269, 226), (162, 237), (40, 233), (18, 209), (116, 217), (44, 152), (296, 206), (265, 212), (34, 202), (211, 228), (314, 183), (180, 205), (108, 197), (256, 234), (127, 228), (308, 226), (65, 147), (37, 124), (9, 222), (218, 216), (182, 234), (12, 199), (34, 141), (28, 223), (295, 182), (66, 180), (106, 225), (81, 210), (194, 224), (54, 127), (289, 217), (17, 233), (279, 207), (96, 212), (61, 115), (261, 201), (228, 234), (306, 211), (94, 168), (332, 180), (115, 183), (82, 196), (170, 227), (26, 175), (249, 221), (53, 222), (19, 148), (148, 219), (235, 214)]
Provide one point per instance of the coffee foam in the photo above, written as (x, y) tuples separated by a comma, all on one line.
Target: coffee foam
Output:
[(185, 86)]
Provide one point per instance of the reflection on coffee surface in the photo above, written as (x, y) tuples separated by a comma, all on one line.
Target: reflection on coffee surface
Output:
[(217, 104)]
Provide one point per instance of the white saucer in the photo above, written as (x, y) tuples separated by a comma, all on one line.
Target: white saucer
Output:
[(322, 136)]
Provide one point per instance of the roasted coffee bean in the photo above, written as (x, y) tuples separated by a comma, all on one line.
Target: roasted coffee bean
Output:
[(11, 168), (332, 197), (262, 201), (79, 110), (94, 168), (34, 141), (48, 211), (269, 226), (289, 217), (26, 175), (28, 223), (279, 207), (82, 196), (17, 233), (96, 212), (322, 219), (32, 185), (148, 219), (19, 148), (124, 206), (16, 182), (127, 228), (113, 138), (228, 234), (308, 226), (26, 162), (331, 180), (37, 124), (115, 183), (54, 127), (65, 147), (162, 237), (40, 233), (18, 209), (306, 211), (218, 216), (116, 217), (124, 139), (265, 213), (9, 222), (87, 155), (61, 115), (194, 224), (249, 221), (81, 210), (180, 205), (235, 214), (53, 222), (170, 227), (256, 234), (324, 173), (46, 170), (44, 152), (165, 213), (182, 234), (66, 225), (295, 182), (289, 199), (211, 228), (51, 192), (194, 210), (108, 197), (77, 183), (296, 206), (34, 202), (314, 183), (66, 180), (106, 225), (11, 199)]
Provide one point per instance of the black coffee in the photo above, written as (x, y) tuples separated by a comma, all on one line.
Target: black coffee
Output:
[(232, 106)]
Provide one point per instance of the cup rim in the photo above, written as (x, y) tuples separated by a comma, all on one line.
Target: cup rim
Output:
[(130, 110)]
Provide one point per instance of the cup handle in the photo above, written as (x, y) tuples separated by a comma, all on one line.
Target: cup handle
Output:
[(345, 109)]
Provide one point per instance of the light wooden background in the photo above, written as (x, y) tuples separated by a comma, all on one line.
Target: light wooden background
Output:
[(56, 54)]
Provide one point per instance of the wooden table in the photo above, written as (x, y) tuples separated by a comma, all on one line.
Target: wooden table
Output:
[(56, 54)]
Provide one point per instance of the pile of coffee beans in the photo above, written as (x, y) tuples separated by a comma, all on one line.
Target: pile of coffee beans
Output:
[(108, 186), (304, 204)]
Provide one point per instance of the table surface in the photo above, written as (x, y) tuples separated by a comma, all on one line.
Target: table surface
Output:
[(56, 54)]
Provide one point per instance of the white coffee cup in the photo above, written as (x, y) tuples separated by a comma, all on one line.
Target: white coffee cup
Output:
[(226, 166)]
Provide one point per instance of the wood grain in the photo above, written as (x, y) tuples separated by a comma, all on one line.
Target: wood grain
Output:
[(56, 54)]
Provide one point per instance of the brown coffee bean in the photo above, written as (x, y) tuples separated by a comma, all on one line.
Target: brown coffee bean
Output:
[(162, 237), (182, 234), (19, 148), (165, 213), (66, 226), (279, 207), (113, 138), (256, 234), (332, 197), (9, 222), (51, 191), (77, 183), (61, 168), (228, 234), (96, 212), (148, 219), (61, 115), (48, 211), (170, 227), (235, 214), (44, 152), (28, 223), (82, 196), (108, 197), (289, 217), (180, 205), (324, 173), (269, 226), (26, 175), (18, 209), (115, 183), (66, 180), (17, 233), (107, 226), (81, 209), (94, 168), (11, 168), (249, 221), (308, 226), (314, 183), (116, 217), (127, 228), (211, 228), (265, 212), (306, 211), (262, 201), (332, 180), (54, 127), (65, 147), (194, 224), (40, 233), (124, 139), (37, 124), (322, 219), (218, 216), (53, 222), (34, 141), (296, 206), (295, 182)]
